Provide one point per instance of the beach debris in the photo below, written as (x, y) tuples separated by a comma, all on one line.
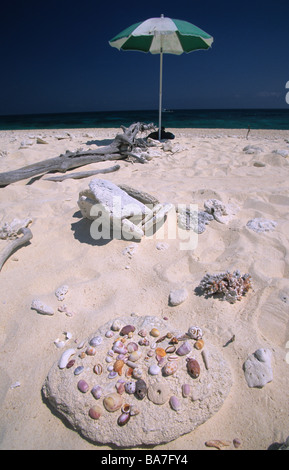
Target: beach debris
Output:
[(161, 246), (61, 292), (11, 230), (260, 225), (217, 443), (39, 140), (15, 385), (189, 219), (231, 340), (257, 368), (178, 296), (195, 332), (110, 207), (64, 308), (221, 212), (252, 149), (230, 286), (61, 343), (236, 443), (282, 152), (42, 307), (15, 244), (147, 390)]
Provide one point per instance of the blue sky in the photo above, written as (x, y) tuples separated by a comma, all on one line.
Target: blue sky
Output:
[(55, 57)]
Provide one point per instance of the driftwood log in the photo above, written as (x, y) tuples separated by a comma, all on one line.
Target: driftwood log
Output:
[(15, 244), (82, 174), (123, 146)]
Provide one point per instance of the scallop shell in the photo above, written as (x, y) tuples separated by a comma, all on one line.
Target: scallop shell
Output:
[(158, 393), (161, 352), (118, 366), (112, 402)]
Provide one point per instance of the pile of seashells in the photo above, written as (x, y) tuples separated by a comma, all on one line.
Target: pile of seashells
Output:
[(137, 370)]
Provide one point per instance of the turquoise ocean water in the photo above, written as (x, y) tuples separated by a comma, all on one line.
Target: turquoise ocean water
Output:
[(180, 118)]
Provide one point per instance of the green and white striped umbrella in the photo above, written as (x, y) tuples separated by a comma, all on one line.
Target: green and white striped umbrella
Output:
[(159, 36)]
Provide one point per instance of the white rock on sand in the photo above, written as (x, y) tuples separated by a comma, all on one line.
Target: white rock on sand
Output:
[(212, 165)]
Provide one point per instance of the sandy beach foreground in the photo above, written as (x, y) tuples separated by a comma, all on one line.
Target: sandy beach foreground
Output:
[(107, 281)]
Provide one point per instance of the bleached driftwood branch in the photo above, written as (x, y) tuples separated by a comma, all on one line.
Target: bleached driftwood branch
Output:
[(121, 147), (13, 245), (82, 174)]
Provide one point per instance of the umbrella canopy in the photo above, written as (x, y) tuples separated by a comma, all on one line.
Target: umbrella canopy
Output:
[(159, 36)]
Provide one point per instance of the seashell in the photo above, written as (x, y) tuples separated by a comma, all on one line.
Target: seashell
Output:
[(170, 349), (193, 367), (116, 326), (97, 369), (134, 356), (110, 353), (109, 368), (119, 347), (140, 389), (134, 410), (70, 363), (96, 391), (158, 393), (95, 341), (161, 352), (154, 369), (78, 370), (131, 364), (205, 358), (128, 372), (155, 332), (195, 332), (118, 366), (123, 419), (137, 373), (174, 340), (236, 443), (109, 334), (162, 338), (132, 347), (108, 359), (81, 345), (199, 344), (95, 412), (83, 386), (170, 368), (175, 403), (142, 332), (112, 374), (173, 358), (125, 408), (63, 361), (113, 402), (120, 387), (217, 444), (161, 361), (184, 349), (144, 342), (90, 351), (186, 390), (130, 387), (150, 353), (127, 329)]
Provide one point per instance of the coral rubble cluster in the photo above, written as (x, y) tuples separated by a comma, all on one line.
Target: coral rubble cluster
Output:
[(232, 286)]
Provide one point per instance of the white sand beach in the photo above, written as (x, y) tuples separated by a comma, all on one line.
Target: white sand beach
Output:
[(105, 283)]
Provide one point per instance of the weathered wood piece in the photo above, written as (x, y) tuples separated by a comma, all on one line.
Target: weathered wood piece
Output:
[(13, 245), (82, 174), (120, 148)]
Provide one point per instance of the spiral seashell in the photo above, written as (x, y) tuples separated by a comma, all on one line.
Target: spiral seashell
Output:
[(193, 367), (137, 373), (184, 349), (83, 386), (109, 334), (195, 332), (97, 369), (113, 402), (96, 391), (95, 412), (118, 366), (125, 408)]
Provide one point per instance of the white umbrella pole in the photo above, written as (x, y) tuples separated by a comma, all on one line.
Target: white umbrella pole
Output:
[(161, 92)]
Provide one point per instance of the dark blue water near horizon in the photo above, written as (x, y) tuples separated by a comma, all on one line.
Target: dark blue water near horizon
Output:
[(179, 118)]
